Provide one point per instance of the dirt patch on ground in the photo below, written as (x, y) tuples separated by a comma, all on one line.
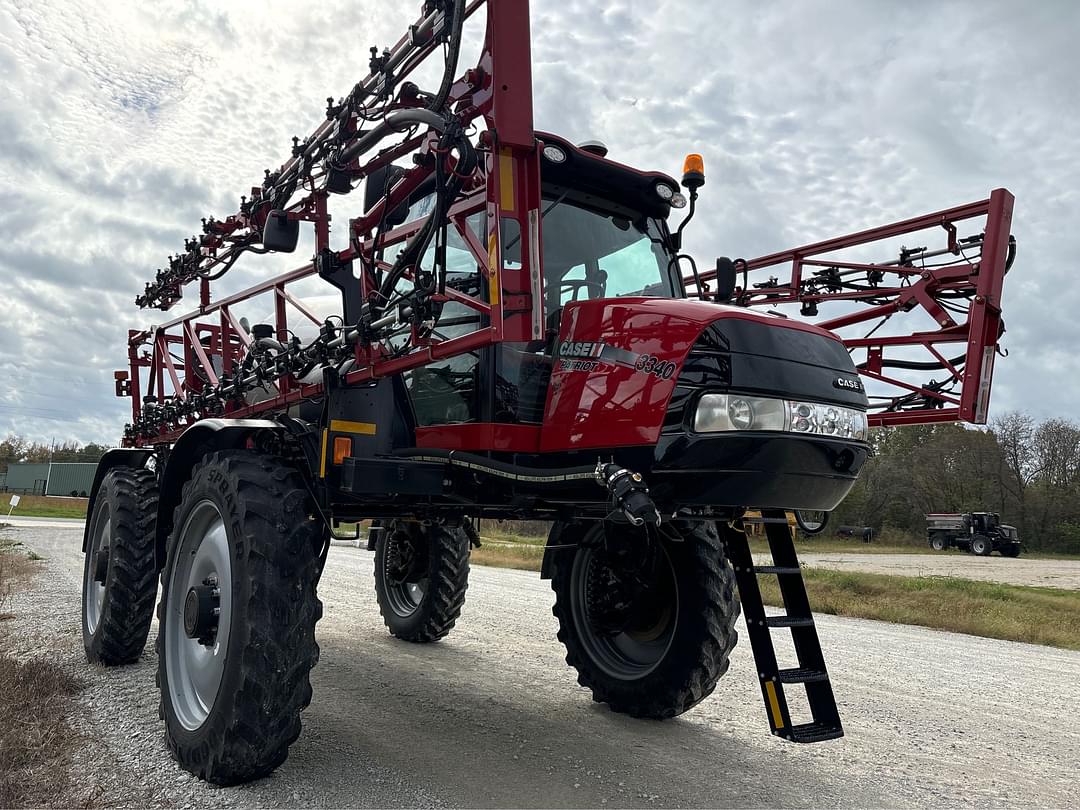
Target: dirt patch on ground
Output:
[(36, 738), (37, 701)]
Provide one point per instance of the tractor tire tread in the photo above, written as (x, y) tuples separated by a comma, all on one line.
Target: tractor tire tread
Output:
[(699, 665), (131, 585), (448, 581), (249, 736)]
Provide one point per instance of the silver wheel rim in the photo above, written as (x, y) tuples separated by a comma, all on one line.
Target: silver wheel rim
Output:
[(94, 591), (193, 670)]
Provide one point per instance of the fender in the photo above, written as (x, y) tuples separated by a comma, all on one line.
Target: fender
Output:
[(119, 457), (201, 438), (560, 534)]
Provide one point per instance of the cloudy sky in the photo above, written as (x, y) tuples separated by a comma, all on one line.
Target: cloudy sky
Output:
[(123, 123)]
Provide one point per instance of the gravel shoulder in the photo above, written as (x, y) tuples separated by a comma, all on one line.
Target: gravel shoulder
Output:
[(1039, 573), (492, 717)]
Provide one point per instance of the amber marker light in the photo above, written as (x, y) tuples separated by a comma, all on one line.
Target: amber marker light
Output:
[(693, 172)]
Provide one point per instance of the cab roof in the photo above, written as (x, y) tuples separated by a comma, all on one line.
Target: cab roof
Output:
[(590, 179)]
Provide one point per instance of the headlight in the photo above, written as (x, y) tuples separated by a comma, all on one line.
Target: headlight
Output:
[(554, 153), (664, 191), (724, 412), (716, 412)]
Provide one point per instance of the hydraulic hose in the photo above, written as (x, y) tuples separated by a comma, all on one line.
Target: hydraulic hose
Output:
[(454, 51), (501, 469), (394, 122)]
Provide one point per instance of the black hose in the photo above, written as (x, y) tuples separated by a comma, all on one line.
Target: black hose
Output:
[(501, 469), (397, 121), (445, 194), (450, 72), (914, 365)]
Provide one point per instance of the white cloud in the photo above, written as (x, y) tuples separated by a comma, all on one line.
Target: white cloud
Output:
[(122, 123)]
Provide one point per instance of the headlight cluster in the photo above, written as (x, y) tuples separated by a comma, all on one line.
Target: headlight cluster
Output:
[(723, 412)]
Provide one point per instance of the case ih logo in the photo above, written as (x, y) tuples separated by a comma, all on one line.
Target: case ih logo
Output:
[(849, 385), (572, 348), (577, 355)]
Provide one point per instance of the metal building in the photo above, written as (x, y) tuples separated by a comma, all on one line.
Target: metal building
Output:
[(65, 479), (71, 479), (27, 479)]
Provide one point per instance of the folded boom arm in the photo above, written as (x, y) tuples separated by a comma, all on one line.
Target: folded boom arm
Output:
[(923, 328)]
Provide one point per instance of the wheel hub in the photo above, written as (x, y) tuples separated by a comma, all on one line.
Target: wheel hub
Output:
[(101, 565), (620, 587), (402, 560), (626, 619), (201, 611)]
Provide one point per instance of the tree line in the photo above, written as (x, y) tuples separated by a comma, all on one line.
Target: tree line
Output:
[(17, 450), (1028, 471)]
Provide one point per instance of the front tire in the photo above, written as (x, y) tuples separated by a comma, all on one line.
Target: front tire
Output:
[(119, 577), (656, 649), (237, 617), (981, 546), (1010, 550), (421, 575)]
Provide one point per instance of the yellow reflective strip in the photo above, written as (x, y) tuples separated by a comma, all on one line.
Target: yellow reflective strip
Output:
[(342, 426), (506, 180), (322, 463), (774, 705), (493, 264)]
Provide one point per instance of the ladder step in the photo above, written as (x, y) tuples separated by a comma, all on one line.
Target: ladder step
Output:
[(809, 672), (789, 621), (815, 732), (777, 569), (801, 675), (766, 521)]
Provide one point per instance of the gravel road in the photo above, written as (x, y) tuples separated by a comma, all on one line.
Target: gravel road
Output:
[(492, 717), (1041, 573)]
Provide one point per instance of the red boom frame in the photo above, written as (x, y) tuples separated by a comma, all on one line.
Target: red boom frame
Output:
[(927, 289), (499, 90), (514, 309)]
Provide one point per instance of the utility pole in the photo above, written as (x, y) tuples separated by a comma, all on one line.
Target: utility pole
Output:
[(48, 473)]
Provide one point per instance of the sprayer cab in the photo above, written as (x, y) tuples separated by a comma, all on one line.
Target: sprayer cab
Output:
[(715, 406)]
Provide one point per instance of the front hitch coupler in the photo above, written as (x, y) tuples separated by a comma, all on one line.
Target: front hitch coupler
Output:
[(628, 493)]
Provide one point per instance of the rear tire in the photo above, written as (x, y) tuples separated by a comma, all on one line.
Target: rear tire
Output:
[(937, 543), (119, 577), (678, 634), (233, 685), (421, 575), (981, 546)]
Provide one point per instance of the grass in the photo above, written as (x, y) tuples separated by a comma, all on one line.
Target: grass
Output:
[(37, 700), (42, 506), (1048, 616), (526, 556)]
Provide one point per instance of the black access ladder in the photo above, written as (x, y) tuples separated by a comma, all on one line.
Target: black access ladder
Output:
[(796, 619)]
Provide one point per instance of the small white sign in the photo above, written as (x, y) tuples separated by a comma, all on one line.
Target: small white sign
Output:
[(14, 501)]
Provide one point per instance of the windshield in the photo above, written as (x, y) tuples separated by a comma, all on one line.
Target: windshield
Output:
[(590, 254), (587, 254)]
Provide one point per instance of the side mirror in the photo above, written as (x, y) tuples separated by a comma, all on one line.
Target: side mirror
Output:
[(280, 233), (375, 188), (725, 279)]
